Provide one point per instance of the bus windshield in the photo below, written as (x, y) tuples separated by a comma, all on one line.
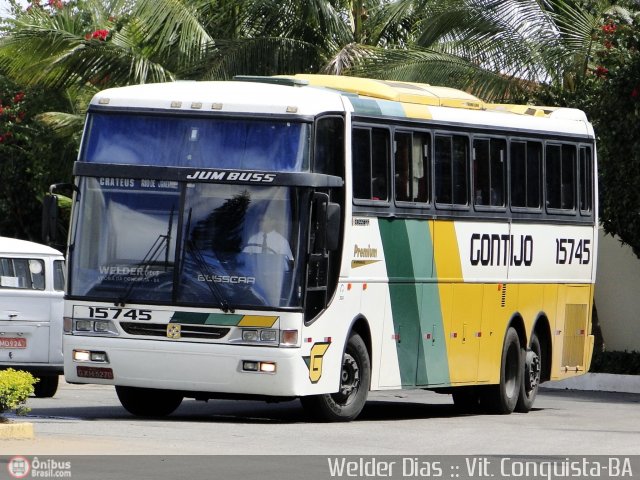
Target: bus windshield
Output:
[(230, 143), (226, 246)]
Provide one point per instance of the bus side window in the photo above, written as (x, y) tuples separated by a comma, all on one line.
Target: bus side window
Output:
[(488, 172), (412, 167), (586, 180), (452, 169), (329, 146), (403, 166), (370, 150), (526, 164), (361, 152), (560, 168)]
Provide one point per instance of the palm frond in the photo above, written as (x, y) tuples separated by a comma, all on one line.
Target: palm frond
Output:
[(260, 56), (170, 23), (63, 125)]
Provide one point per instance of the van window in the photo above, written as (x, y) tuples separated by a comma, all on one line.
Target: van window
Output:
[(58, 275), (24, 273)]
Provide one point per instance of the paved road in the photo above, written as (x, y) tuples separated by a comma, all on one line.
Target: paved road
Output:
[(88, 420)]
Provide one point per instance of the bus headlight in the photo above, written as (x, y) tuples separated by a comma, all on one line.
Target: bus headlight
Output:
[(260, 336), (99, 327), (268, 335), (250, 335), (84, 325)]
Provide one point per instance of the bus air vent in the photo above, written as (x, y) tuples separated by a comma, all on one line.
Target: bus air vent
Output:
[(186, 331)]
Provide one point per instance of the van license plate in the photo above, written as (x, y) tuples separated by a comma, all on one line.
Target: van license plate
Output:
[(13, 342)]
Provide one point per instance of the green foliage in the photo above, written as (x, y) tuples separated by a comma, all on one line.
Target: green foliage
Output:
[(15, 387), (621, 363), (32, 157), (610, 95)]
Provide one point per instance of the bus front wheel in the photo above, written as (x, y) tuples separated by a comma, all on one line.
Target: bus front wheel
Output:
[(355, 376), (502, 398), (148, 402)]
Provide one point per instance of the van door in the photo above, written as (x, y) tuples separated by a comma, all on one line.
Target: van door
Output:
[(25, 309)]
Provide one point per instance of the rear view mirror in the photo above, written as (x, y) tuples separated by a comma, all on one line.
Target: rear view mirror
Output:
[(333, 226), (50, 215), (326, 224)]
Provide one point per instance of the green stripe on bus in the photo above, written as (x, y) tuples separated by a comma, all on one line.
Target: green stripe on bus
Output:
[(415, 302)]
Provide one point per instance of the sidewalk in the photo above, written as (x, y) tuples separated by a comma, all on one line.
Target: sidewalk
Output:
[(601, 382)]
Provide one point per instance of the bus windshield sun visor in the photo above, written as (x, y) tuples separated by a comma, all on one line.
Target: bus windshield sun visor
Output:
[(208, 175)]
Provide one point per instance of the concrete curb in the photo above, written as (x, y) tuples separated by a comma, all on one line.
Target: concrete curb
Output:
[(16, 431), (598, 382)]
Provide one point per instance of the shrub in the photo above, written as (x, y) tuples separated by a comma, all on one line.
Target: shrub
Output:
[(623, 363), (15, 388)]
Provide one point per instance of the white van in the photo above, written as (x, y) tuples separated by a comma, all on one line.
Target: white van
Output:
[(31, 310)]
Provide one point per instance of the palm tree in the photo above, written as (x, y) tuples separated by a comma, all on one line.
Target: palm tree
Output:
[(496, 48)]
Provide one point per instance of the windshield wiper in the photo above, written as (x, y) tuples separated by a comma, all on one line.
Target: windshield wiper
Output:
[(204, 269), (162, 242)]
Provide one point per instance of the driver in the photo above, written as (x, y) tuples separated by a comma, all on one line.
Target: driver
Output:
[(269, 240)]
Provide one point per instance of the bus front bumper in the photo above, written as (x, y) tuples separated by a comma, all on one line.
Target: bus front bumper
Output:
[(184, 366)]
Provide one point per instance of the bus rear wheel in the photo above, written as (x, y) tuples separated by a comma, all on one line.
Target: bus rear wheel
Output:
[(531, 376), (502, 398), (355, 376), (148, 402)]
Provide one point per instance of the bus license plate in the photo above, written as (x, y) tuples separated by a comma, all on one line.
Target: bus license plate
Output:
[(13, 342), (95, 372)]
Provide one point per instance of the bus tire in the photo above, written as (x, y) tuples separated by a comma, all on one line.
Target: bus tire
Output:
[(148, 402), (46, 386), (355, 377), (532, 368), (502, 398)]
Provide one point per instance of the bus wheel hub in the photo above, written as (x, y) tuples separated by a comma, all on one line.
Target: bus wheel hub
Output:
[(532, 370), (350, 377)]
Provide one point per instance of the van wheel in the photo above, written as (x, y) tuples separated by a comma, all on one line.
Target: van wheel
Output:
[(148, 402), (355, 377), (46, 387), (502, 398), (531, 376)]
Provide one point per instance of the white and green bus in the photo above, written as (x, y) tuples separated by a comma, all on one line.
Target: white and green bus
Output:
[(318, 237)]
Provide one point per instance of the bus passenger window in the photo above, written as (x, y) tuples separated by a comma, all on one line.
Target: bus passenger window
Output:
[(560, 163), (586, 181), (452, 172), (526, 163), (370, 150), (402, 167), (488, 172), (361, 152), (380, 164), (412, 167)]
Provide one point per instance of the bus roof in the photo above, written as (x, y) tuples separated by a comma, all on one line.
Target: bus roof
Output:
[(223, 96), (13, 246), (311, 95)]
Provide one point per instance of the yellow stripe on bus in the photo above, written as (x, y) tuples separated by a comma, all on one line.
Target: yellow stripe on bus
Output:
[(257, 321)]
